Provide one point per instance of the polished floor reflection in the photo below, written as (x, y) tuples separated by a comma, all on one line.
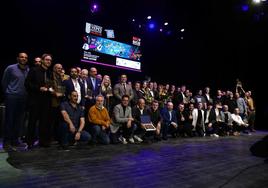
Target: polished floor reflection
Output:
[(188, 162)]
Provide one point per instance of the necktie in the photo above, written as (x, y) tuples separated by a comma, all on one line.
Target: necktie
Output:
[(225, 117), (93, 83), (125, 90)]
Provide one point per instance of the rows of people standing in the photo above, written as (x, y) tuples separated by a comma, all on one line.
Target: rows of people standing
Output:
[(84, 106)]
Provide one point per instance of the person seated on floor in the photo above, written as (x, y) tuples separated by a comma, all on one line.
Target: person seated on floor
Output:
[(170, 123), (122, 119), (99, 122), (137, 112), (156, 119), (71, 128), (228, 120), (238, 124), (215, 117), (184, 128), (199, 120)]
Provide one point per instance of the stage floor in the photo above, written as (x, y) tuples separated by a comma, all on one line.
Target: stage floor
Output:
[(188, 162)]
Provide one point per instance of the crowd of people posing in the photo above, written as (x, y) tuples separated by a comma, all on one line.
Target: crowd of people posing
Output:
[(44, 104)]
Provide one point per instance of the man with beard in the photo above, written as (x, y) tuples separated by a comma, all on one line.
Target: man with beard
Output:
[(39, 87), (73, 122)]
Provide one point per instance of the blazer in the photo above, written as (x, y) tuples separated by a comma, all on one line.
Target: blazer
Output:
[(136, 114), (166, 116), (195, 115), (69, 87), (212, 115), (119, 91), (120, 116), (96, 90)]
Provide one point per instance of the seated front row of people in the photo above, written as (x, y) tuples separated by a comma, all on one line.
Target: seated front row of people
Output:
[(126, 125)]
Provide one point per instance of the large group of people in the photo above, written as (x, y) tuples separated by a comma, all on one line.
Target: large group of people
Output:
[(44, 104)]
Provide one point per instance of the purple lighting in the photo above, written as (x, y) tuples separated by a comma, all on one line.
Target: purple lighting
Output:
[(94, 8), (151, 25), (245, 8)]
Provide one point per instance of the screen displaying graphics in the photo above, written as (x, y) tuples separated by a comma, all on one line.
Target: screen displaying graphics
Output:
[(103, 51)]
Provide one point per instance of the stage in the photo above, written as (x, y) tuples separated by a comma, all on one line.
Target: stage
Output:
[(181, 162)]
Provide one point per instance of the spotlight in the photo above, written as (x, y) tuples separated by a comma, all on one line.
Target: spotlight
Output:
[(94, 8), (166, 23), (256, 1), (149, 17), (133, 20), (161, 30), (151, 25), (169, 33), (182, 30)]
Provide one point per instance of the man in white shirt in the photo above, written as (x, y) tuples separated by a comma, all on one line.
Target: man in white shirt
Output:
[(238, 123)]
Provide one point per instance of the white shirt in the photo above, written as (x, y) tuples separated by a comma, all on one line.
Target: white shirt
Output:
[(141, 110), (85, 84), (207, 115), (218, 116), (170, 115), (93, 80), (237, 119), (77, 88)]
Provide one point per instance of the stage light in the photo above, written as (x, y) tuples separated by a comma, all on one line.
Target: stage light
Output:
[(161, 30), (256, 1), (166, 23), (149, 17), (182, 30), (169, 33), (94, 8), (151, 25), (139, 25), (181, 38), (133, 20), (245, 8)]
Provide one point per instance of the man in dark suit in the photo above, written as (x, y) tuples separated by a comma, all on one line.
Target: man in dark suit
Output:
[(170, 123), (137, 112), (74, 84), (94, 83)]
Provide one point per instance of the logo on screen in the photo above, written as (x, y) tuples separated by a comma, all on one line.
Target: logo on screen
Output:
[(93, 29), (136, 41)]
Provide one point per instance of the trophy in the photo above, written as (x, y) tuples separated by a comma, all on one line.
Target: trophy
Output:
[(60, 90), (89, 93), (239, 89)]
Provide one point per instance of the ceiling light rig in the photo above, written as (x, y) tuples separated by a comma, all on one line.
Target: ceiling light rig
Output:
[(148, 24)]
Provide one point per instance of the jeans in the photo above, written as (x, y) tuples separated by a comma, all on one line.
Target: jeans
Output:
[(97, 133), (14, 115), (68, 137)]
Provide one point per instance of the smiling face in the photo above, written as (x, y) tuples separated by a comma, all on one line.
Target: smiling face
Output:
[(46, 61), (22, 58)]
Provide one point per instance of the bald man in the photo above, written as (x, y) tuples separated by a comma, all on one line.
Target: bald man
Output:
[(15, 100)]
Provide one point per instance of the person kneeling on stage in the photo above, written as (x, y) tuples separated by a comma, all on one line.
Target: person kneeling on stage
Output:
[(156, 119), (73, 122), (238, 123), (99, 121), (122, 119), (170, 123)]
